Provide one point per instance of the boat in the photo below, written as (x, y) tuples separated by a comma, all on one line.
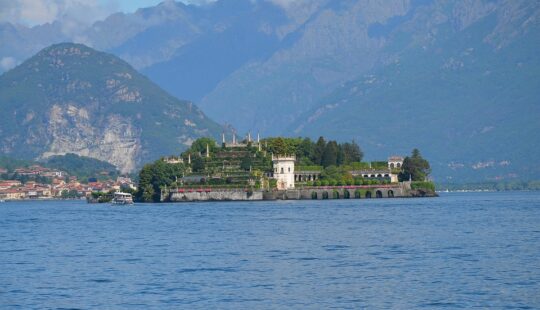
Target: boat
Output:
[(121, 198)]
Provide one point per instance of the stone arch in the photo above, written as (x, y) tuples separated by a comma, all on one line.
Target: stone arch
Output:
[(335, 194), (325, 195), (372, 175), (313, 195), (357, 194), (378, 194), (392, 166), (390, 193), (368, 194), (398, 165), (346, 194), (379, 175)]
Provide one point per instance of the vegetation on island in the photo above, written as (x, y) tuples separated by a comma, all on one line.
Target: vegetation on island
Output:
[(249, 166), (415, 167)]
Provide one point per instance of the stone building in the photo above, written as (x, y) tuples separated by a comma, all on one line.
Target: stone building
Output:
[(284, 171), (395, 162)]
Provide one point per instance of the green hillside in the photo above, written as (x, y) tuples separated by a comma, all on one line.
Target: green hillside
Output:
[(468, 99), (70, 98)]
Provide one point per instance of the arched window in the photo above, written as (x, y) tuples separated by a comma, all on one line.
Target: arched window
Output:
[(391, 165), (398, 165), (281, 169), (289, 169)]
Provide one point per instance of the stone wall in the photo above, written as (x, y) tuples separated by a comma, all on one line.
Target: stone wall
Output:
[(216, 196)]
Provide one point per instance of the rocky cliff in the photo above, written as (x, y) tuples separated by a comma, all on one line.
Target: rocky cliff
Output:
[(70, 98)]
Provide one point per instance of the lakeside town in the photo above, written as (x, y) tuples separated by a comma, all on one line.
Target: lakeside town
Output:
[(38, 182)]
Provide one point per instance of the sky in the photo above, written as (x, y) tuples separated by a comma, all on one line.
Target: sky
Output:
[(78, 13), (81, 12)]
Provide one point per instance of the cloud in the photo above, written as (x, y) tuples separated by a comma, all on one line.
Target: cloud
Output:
[(7, 63), (72, 14), (287, 3)]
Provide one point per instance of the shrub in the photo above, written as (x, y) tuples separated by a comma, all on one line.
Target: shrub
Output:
[(423, 185)]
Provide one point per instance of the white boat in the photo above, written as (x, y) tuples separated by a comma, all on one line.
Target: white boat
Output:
[(122, 199)]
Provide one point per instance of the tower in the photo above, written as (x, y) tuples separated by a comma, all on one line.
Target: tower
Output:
[(284, 171)]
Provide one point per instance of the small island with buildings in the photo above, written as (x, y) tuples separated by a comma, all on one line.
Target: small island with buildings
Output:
[(280, 169)]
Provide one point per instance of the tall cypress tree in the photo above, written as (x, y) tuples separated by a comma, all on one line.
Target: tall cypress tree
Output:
[(319, 151), (330, 154)]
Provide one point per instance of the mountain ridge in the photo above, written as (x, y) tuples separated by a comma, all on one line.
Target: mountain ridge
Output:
[(69, 98)]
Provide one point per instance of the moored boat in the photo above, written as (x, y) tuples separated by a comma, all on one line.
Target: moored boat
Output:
[(121, 198)]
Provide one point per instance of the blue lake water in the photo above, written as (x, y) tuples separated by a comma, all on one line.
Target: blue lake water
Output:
[(457, 251)]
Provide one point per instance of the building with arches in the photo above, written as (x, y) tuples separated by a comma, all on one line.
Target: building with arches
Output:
[(395, 162)]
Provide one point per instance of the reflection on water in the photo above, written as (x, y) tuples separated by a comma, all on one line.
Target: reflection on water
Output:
[(459, 250)]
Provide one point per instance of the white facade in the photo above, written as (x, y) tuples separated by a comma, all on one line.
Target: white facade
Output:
[(284, 171), (395, 162)]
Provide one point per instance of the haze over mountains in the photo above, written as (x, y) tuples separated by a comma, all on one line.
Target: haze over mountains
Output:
[(458, 79)]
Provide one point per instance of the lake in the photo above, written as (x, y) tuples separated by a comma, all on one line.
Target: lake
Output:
[(460, 250)]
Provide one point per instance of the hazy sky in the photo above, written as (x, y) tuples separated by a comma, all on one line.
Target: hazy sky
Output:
[(36, 12), (76, 14)]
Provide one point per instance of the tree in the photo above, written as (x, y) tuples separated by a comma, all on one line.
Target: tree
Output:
[(197, 164), (330, 154), (318, 151), (305, 151), (147, 193), (415, 167), (199, 145), (246, 163), (280, 146), (349, 153)]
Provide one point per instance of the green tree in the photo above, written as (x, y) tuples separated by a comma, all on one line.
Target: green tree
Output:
[(246, 163), (147, 193), (350, 152), (199, 145), (305, 151), (197, 164), (330, 154), (415, 167), (318, 151)]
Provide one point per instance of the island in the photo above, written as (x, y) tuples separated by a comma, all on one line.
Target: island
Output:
[(280, 168)]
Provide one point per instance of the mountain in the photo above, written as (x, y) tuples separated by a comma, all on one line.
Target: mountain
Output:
[(70, 98), (329, 47), (464, 88), (314, 67)]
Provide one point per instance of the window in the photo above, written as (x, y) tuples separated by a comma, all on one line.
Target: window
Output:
[(281, 169), (289, 169)]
